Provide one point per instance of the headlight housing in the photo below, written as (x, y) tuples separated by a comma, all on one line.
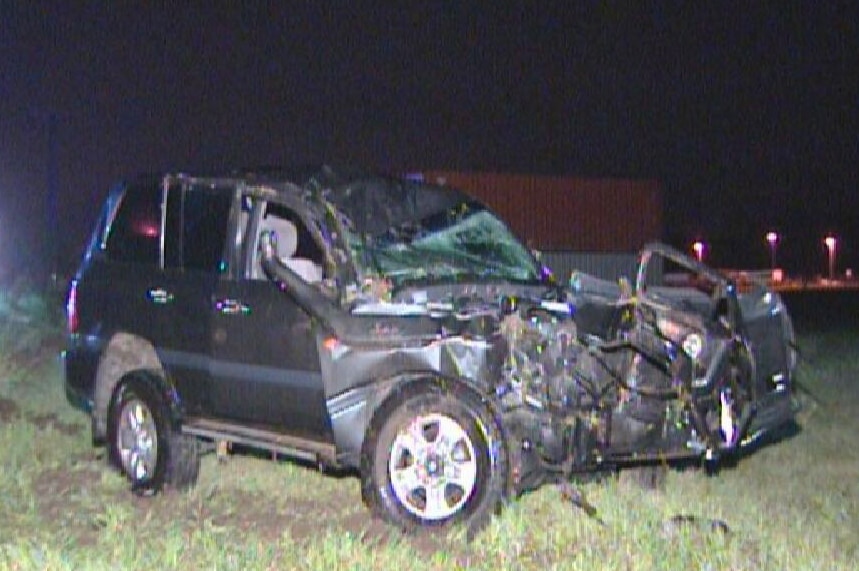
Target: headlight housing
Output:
[(693, 345)]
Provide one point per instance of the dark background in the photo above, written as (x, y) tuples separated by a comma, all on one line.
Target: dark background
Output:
[(748, 112)]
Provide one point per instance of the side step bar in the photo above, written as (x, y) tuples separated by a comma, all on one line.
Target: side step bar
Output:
[(294, 446)]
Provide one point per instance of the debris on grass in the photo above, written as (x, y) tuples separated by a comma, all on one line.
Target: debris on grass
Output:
[(9, 410), (575, 496), (673, 525)]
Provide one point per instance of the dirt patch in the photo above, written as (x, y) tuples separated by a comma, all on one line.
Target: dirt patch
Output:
[(75, 500), (305, 521), (302, 520), (43, 421), (9, 410), (65, 498), (235, 510)]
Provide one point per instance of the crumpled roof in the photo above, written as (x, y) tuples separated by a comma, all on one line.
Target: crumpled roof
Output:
[(376, 203)]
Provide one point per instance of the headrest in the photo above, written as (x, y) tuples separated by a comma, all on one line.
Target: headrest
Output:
[(286, 233)]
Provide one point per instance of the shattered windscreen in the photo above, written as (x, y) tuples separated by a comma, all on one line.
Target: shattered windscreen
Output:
[(462, 242)]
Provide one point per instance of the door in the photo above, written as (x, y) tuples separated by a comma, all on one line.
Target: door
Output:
[(196, 259), (265, 362)]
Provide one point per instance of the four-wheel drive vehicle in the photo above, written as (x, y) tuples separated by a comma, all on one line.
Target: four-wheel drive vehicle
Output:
[(400, 330)]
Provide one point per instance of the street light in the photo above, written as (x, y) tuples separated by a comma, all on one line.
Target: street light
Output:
[(698, 248), (772, 240), (830, 245)]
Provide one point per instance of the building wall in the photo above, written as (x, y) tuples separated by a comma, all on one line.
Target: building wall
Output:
[(605, 265), (564, 214)]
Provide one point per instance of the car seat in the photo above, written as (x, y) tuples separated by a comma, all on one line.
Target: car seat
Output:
[(287, 244)]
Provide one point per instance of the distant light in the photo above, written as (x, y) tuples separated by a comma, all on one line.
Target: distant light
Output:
[(772, 240), (830, 242), (698, 248)]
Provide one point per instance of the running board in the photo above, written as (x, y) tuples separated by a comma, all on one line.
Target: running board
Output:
[(294, 446)]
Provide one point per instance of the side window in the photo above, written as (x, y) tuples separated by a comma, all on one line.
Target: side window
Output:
[(297, 248), (135, 233), (206, 216)]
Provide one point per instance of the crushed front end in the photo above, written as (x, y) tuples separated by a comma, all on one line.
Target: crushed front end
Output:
[(582, 377), (628, 376)]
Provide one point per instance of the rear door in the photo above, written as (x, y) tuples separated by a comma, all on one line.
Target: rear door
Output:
[(121, 269), (197, 257), (127, 263)]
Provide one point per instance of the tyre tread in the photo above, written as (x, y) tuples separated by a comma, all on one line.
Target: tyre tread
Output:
[(180, 465), (401, 400)]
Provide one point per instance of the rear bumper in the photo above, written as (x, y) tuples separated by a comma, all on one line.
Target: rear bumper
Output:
[(78, 399), (79, 371)]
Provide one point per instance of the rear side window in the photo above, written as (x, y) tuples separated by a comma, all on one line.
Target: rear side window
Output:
[(197, 221), (135, 233)]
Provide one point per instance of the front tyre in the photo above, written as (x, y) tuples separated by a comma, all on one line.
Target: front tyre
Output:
[(143, 445), (433, 460)]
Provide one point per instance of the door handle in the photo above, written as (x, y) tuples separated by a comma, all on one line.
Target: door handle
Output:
[(232, 307), (159, 295)]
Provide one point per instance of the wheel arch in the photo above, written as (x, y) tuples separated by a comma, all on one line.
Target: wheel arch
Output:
[(125, 354)]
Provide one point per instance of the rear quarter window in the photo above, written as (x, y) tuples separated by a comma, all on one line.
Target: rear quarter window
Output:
[(135, 232)]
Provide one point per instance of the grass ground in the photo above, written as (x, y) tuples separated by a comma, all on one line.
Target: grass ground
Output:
[(791, 505)]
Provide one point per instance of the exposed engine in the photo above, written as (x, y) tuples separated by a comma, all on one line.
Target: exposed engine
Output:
[(581, 401), (551, 392)]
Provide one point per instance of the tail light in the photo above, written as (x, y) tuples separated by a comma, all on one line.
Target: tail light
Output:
[(72, 309)]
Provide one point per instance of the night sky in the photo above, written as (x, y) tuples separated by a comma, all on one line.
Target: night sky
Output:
[(748, 113)]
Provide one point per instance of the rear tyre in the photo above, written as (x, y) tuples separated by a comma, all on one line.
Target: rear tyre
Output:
[(142, 443), (432, 461)]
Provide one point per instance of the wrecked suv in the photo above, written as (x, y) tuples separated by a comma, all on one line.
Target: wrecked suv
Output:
[(399, 329)]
